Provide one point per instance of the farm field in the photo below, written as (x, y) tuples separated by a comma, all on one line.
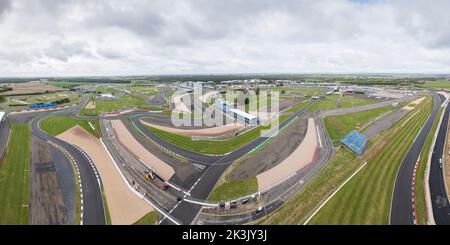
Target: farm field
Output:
[(340, 125), (14, 177), (439, 84), (55, 125)]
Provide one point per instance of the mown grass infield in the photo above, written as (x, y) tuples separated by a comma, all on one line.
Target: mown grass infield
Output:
[(340, 125), (234, 189), (148, 219), (14, 177), (366, 198), (54, 125)]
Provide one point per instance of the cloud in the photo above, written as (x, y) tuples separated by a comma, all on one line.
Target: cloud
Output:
[(121, 37), (5, 5)]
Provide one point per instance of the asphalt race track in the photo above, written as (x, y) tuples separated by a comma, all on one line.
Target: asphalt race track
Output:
[(93, 210), (402, 212), (439, 200)]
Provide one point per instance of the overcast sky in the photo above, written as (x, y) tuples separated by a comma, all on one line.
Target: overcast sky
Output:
[(133, 37)]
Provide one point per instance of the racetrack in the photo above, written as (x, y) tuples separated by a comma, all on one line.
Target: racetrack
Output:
[(402, 206)]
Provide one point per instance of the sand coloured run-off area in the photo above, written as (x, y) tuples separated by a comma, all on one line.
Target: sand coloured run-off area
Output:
[(179, 105), (124, 206), (90, 105), (214, 131), (161, 168), (413, 104), (300, 158), (112, 114)]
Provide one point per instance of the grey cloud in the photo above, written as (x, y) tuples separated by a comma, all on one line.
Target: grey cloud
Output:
[(110, 53), (5, 5), (64, 51)]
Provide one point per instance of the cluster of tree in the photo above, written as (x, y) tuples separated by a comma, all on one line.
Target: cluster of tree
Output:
[(62, 101), (2, 98)]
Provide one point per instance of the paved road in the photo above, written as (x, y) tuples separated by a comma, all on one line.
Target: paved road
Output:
[(185, 211), (159, 99), (439, 200), (93, 212), (401, 207)]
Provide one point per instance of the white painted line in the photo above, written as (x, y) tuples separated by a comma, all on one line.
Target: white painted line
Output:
[(318, 136), (334, 193), (201, 203), (133, 190)]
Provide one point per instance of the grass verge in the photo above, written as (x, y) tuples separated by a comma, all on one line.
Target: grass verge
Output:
[(14, 177), (366, 198), (212, 146), (148, 219), (343, 163), (234, 189), (54, 125), (340, 125), (419, 188)]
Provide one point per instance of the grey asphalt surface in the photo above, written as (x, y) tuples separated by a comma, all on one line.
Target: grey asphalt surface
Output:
[(93, 212), (185, 211), (159, 98), (4, 135), (402, 206), (439, 200)]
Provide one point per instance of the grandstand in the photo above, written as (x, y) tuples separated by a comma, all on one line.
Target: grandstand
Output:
[(40, 106), (355, 141)]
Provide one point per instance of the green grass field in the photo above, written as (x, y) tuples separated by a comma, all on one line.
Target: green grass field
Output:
[(55, 125), (419, 190), (122, 103), (148, 219), (297, 107), (207, 146), (234, 189), (340, 125), (67, 84), (439, 84), (340, 167), (212, 146), (331, 102), (366, 198), (14, 177)]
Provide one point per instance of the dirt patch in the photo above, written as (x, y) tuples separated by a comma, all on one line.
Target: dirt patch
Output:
[(300, 158), (413, 104), (30, 87), (90, 105), (215, 131), (126, 138), (124, 206), (49, 203)]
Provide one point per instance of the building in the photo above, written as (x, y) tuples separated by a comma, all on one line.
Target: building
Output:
[(106, 97), (355, 141), (244, 117), (237, 114)]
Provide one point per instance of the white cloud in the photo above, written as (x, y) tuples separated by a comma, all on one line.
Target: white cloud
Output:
[(118, 37)]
